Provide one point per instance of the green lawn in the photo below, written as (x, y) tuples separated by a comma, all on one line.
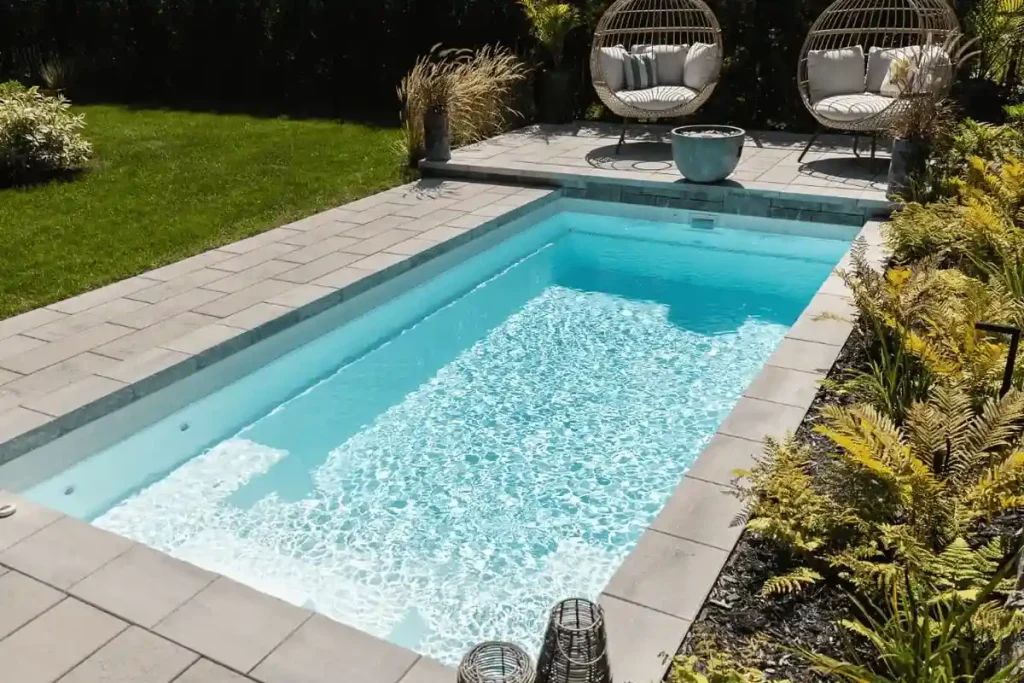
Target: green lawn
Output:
[(164, 185)]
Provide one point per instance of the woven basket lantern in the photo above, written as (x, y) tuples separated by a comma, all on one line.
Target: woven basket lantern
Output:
[(575, 648), (496, 662)]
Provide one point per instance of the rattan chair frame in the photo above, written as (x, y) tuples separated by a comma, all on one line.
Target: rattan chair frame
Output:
[(876, 23), (654, 22)]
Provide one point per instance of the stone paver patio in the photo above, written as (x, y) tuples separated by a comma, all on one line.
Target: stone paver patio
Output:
[(80, 604)]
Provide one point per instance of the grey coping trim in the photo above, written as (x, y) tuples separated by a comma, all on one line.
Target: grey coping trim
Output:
[(104, 578)]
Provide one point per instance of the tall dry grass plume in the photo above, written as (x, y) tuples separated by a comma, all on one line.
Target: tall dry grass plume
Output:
[(474, 87)]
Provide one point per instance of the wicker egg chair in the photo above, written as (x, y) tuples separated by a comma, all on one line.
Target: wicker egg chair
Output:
[(668, 28), (882, 28)]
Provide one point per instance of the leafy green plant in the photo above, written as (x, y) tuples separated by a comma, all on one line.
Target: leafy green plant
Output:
[(551, 22), (39, 135), (999, 28)]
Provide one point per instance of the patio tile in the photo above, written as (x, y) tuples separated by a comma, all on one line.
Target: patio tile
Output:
[(668, 574), (365, 203), (168, 308), (256, 257), (300, 295), (232, 624), (23, 599), (83, 392), (142, 585), (18, 344), (150, 337), (374, 212), (230, 304), (256, 315), (427, 670), (332, 230), (205, 671), (65, 552), (636, 637), (342, 277), (324, 651), (432, 220), (204, 338), (722, 457), (79, 322), (377, 226), (754, 419), (17, 421), (467, 221), (165, 290), (380, 242), (411, 246), (442, 233), (379, 261), (102, 295), (806, 356), (180, 268), (703, 512), (320, 249), (250, 276), (784, 385), (145, 365), (260, 240), (51, 645), (475, 203), (28, 519), (29, 321), (422, 208), (492, 211), (55, 352), (834, 286), (133, 656), (827, 320), (318, 269)]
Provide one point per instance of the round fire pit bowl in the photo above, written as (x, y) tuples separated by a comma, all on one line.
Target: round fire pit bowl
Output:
[(707, 153)]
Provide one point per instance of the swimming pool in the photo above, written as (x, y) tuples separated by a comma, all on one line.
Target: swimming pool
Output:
[(443, 467)]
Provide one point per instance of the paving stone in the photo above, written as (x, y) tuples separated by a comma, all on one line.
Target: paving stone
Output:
[(380, 242), (755, 419), (320, 249), (143, 340), (204, 338), (176, 270), (64, 552), (48, 647), (134, 656), (432, 220), (165, 290), (254, 316), (74, 396), (722, 457), (8, 376), (819, 323), (365, 203), (55, 352), (17, 421), (324, 651), (341, 278), (260, 240), (783, 385), (427, 670), (229, 304), (493, 210), (142, 585), (668, 574), (59, 375), (310, 222), (23, 599), (478, 202), (372, 213), (300, 295), (425, 206), (27, 520), (168, 308), (146, 364), (318, 268), (377, 226), (102, 295), (79, 322), (18, 344), (28, 321), (703, 512), (205, 671), (442, 233), (250, 276), (378, 261), (328, 231), (637, 637), (411, 246), (232, 624), (256, 257), (466, 221), (806, 356)]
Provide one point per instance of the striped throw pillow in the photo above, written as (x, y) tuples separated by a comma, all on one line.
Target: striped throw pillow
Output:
[(641, 71)]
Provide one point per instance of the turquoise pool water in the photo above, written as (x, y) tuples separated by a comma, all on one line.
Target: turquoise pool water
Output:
[(443, 468)]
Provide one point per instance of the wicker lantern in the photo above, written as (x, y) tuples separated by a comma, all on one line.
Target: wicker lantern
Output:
[(496, 662), (575, 648)]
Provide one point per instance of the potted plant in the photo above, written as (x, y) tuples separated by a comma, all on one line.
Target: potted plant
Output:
[(707, 153), (550, 22)]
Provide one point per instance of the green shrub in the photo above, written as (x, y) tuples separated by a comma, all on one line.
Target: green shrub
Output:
[(39, 136)]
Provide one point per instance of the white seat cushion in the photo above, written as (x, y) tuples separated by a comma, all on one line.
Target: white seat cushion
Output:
[(835, 72), (661, 98), (612, 61), (847, 108), (932, 65), (701, 65)]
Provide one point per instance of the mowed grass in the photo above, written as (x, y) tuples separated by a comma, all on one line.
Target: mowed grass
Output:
[(164, 185)]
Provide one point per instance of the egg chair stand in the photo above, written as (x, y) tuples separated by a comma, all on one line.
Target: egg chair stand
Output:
[(856, 139), (884, 30), (686, 40)]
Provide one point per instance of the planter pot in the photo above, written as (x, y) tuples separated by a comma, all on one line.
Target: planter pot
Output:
[(554, 96), (906, 155), (707, 154), (436, 139)]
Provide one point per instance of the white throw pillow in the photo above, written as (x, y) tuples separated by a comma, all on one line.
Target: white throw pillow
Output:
[(835, 72), (670, 61), (612, 61), (640, 71), (879, 59), (701, 65), (933, 66)]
